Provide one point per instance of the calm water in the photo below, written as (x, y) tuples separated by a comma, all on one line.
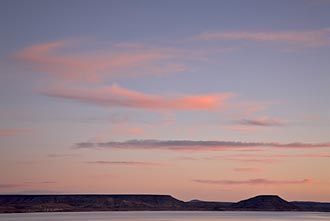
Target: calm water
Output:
[(166, 216)]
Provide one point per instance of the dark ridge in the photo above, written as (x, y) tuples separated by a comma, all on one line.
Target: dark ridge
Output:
[(265, 203), (207, 205), (148, 202)]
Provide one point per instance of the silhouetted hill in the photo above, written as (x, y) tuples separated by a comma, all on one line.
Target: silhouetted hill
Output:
[(265, 203), (131, 202)]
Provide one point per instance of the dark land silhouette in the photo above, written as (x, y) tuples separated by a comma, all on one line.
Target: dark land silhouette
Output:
[(139, 202)]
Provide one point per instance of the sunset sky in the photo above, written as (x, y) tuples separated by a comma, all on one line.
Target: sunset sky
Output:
[(212, 100)]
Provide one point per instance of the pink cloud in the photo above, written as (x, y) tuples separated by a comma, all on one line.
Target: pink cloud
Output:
[(267, 158), (127, 163), (241, 128), (127, 130), (116, 96), (258, 181), (186, 158), (303, 155), (310, 38), (249, 107), (247, 159), (12, 131), (63, 59)]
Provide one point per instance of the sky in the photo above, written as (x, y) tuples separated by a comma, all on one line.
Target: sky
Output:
[(211, 100)]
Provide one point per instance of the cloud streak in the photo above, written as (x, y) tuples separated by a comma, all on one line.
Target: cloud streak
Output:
[(258, 181), (126, 163), (190, 145), (24, 184), (119, 97), (55, 155), (9, 186), (267, 158), (247, 169), (262, 122), (309, 38)]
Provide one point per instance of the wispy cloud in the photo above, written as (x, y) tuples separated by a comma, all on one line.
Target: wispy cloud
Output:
[(248, 169), (190, 145), (68, 61), (38, 191), (258, 181), (309, 38), (116, 96), (23, 184), (262, 122), (266, 158), (6, 132), (247, 158), (302, 155), (42, 182), (240, 128), (55, 155), (9, 186), (126, 163), (127, 130)]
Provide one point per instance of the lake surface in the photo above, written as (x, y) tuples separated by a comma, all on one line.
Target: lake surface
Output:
[(167, 216)]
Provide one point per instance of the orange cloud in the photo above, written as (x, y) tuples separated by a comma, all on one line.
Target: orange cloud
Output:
[(116, 96), (62, 59), (310, 38)]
